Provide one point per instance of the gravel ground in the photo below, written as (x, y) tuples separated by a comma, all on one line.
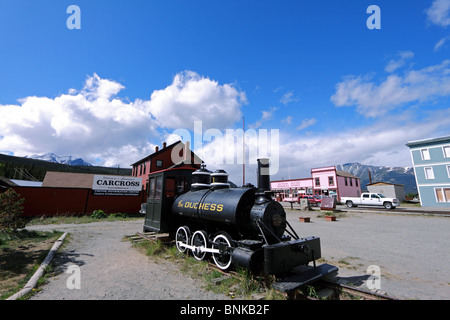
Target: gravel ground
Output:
[(411, 250), (111, 269)]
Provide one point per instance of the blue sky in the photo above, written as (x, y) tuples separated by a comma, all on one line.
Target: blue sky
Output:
[(138, 70)]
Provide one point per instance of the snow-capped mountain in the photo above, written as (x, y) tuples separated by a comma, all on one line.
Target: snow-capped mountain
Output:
[(398, 175), (51, 157)]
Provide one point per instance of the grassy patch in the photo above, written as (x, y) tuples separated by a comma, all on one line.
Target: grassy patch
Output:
[(21, 253), (77, 219), (337, 213)]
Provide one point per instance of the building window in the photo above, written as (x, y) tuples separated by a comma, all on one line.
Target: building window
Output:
[(317, 182), (351, 183), (425, 153), (448, 171), (345, 180), (356, 182), (429, 174), (442, 194), (159, 163), (331, 181), (446, 150)]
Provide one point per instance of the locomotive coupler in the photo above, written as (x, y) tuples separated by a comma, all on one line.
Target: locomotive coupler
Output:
[(301, 248)]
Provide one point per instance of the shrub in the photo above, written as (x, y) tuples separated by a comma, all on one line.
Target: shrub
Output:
[(10, 210), (119, 215), (98, 214)]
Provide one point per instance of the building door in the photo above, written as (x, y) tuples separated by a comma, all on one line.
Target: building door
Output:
[(154, 200)]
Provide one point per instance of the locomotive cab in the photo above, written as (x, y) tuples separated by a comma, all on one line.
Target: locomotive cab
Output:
[(162, 189)]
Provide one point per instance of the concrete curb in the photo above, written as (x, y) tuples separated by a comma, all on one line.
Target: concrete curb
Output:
[(39, 272), (438, 212)]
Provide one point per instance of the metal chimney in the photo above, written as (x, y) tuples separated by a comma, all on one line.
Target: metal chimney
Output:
[(263, 191)]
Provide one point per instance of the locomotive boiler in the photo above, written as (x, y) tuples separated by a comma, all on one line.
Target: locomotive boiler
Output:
[(241, 227)]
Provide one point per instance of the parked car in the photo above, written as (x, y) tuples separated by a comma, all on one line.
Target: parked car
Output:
[(312, 199), (318, 199), (371, 199), (143, 208)]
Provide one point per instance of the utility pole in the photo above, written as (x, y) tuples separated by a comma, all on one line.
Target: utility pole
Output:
[(243, 151)]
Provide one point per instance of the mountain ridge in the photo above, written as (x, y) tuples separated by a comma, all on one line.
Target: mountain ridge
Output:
[(397, 175), (51, 157), (38, 168)]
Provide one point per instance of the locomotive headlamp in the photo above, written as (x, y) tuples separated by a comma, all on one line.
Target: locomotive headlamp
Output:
[(277, 220)]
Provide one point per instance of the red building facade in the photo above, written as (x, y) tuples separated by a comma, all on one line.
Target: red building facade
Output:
[(166, 157)]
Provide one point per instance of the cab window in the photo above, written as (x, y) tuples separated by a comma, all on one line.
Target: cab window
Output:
[(151, 189), (158, 187)]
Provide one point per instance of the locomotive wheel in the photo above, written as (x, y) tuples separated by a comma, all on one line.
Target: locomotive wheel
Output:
[(199, 240), (183, 235), (222, 260)]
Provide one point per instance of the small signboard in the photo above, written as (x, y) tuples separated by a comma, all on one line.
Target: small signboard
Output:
[(116, 185), (328, 203)]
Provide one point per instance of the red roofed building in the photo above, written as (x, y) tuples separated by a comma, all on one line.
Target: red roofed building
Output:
[(168, 156)]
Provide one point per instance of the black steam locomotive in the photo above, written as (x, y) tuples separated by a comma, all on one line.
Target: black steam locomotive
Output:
[(236, 226)]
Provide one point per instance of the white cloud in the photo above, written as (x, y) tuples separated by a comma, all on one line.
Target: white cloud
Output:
[(192, 97), (381, 143), (288, 120), (439, 13), (278, 89), (91, 124), (94, 123), (441, 43), (266, 115), (98, 88), (395, 64), (307, 123), (288, 97), (372, 99)]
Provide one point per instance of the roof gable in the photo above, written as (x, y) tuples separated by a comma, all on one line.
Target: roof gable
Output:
[(167, 149)]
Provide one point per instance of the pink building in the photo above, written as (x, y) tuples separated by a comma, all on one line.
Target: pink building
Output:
[(291, 188), (329, 181), (323, 181)]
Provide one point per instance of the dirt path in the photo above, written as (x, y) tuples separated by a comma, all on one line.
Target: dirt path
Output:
[(111, 269)]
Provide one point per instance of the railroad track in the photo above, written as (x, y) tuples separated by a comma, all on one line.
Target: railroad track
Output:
[(326, 290), (149, 236), (356, 292), (340, 291)]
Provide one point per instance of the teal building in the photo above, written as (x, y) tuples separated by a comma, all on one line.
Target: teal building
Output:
[(431, 161)]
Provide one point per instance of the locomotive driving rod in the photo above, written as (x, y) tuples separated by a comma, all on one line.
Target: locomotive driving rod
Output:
[(201, 249)]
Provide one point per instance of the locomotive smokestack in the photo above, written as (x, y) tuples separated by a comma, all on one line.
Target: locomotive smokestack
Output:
[(263, 178)]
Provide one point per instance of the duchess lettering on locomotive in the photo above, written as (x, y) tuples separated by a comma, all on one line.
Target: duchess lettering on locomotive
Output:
[(203, 206)]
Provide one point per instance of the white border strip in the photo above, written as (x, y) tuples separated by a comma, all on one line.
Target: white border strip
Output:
[(39, 272)]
